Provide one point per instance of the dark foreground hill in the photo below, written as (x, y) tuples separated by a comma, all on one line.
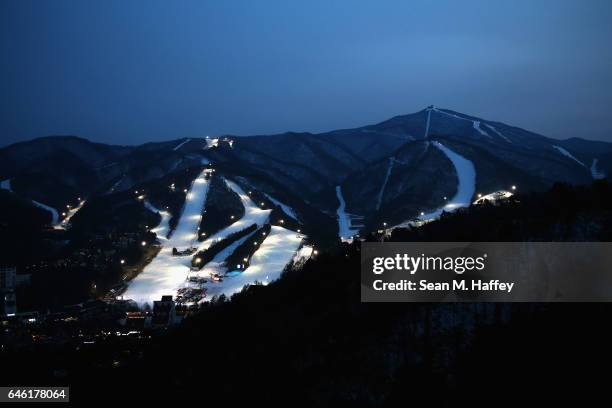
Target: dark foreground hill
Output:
[(307, 340)]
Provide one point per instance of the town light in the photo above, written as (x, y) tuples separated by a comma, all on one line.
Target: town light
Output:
[(384, 224), (282, 221), (255, 243), (122, 261), (232, 217), (315, 252), (245, 259), (479, 195), (445, 198), (198, 260), (262, 204), (514, 187), (422, 213), (143, 243)]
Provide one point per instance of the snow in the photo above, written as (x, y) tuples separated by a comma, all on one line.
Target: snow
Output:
[(163, 228), (114, 186), (428, 122), (476, 125), (267, 263), (497, 132), (288, 210), (303, 254), (178, 146), (66, 221), (217, 264), (252, 215), (6, 185), (211, 142), (53, 211), (568, 154), (494, 197), (466, 187), (384, 184), (166, 273), (597, 175), (466, 174), (344, 219)]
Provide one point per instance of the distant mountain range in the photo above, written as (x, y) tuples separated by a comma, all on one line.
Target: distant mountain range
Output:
[(385, 173)]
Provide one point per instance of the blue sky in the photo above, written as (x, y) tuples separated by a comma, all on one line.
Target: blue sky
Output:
[(134, 71)]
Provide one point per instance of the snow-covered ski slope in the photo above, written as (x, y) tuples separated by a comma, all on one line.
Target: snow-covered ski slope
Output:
[(568, 154), (476, 124), (166, 273), (288, 210), (6, 185), (595, 173), (267, 263), (163, 228), (345, 229), (384, 183), (178, 146), (53, 211), (252, 215), (71, 212), (466, 187)]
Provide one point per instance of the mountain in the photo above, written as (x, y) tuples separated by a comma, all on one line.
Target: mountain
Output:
[(387, 172)]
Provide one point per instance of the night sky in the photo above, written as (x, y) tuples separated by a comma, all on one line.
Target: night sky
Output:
[(128, 72)]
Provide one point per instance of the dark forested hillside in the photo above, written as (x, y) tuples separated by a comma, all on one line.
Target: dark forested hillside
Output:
[(307, 339)]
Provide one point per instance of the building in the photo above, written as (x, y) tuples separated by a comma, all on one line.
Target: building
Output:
[(8, 300), (8, 279), (164, 312), (8, 306)]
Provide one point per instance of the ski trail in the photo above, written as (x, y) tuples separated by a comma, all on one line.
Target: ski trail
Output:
[(66, 221), (181, 144), (252, 215), (597, 175), (466, 187), (498, 133), (266, 265), (568, 154), (475, 123), (163, 228), (288, 210), (166, 273), (6, 185), (384, 184), (345, 229), (114, 186), (428, 122), (53, 211)]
